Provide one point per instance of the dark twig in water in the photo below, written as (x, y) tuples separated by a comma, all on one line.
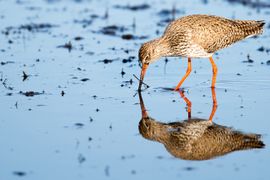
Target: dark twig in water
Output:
[(5, 84), (141, 82), (25, 76), (106, 15), (165, 65), (135, 94), (173, 12), (134, 24)]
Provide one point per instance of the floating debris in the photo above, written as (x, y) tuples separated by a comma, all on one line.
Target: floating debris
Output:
[(81, 158), (133, 37), (248, 60), (127, 36), (129, 59), (107, 61), (24, 76), (31, 93), (85, 22), (112, 30), (4, 82), (19, 173), (261, 49), (85, 79), (126, 83), (67, 46), (91, 119), (189, 168), (79, 125), (123, 72), (133, 7), (168, 15), (170, 12), (127, 157), (78, 38), (42, 27), (251, 3), (107, 171), (88, 21), (7, 62)]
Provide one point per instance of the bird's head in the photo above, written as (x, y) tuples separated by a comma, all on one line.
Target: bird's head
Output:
[(148, 53), (146, 128)]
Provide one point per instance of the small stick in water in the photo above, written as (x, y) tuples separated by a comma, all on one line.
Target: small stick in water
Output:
[(141, 82)]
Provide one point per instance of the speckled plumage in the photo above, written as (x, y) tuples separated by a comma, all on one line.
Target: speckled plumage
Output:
[(198, 36), (197, 139)]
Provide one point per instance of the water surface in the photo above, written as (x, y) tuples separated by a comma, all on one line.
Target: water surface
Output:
[(69, 108)]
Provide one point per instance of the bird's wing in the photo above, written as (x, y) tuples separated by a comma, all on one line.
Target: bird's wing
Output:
[(216, 33)]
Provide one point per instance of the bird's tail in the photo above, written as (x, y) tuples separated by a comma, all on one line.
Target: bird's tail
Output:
[(250, 28), (250, 141)]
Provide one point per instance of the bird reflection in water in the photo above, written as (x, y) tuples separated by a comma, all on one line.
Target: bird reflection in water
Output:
[(194, 138)]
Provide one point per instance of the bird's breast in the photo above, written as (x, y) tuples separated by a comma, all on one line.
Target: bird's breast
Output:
[(191, 50)]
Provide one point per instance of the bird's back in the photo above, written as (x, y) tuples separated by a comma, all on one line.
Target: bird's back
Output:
[(198, 139), (211, 33), (219, 140)]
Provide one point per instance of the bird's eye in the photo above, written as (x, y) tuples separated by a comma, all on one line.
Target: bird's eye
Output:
[(146, 58), (145, 124)]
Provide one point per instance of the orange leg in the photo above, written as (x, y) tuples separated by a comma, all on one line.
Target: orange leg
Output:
[(215, 70), (188, 102), (214, 108), (186, 75)]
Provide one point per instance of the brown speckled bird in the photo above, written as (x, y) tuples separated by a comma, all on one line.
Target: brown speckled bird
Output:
[(196, 139), (196, 36)]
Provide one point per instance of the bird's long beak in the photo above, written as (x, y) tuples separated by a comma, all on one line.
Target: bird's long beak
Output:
[(144, 67)]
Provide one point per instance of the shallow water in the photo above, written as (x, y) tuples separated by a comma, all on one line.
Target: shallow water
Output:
[(76, 114)]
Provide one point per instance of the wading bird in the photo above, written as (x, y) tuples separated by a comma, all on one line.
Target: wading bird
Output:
[(196, 36)]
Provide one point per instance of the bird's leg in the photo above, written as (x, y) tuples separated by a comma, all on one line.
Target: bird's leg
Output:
[(215, 70), (214, 108), (188, 102), (186, 75)]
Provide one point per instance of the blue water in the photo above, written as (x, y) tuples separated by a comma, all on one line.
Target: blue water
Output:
[(92, 131)]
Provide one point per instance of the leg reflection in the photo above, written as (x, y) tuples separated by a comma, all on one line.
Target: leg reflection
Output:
[(214, 108), (188, 102)]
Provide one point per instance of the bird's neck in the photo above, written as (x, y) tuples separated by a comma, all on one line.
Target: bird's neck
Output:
[(160, 132), (161, 47)]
